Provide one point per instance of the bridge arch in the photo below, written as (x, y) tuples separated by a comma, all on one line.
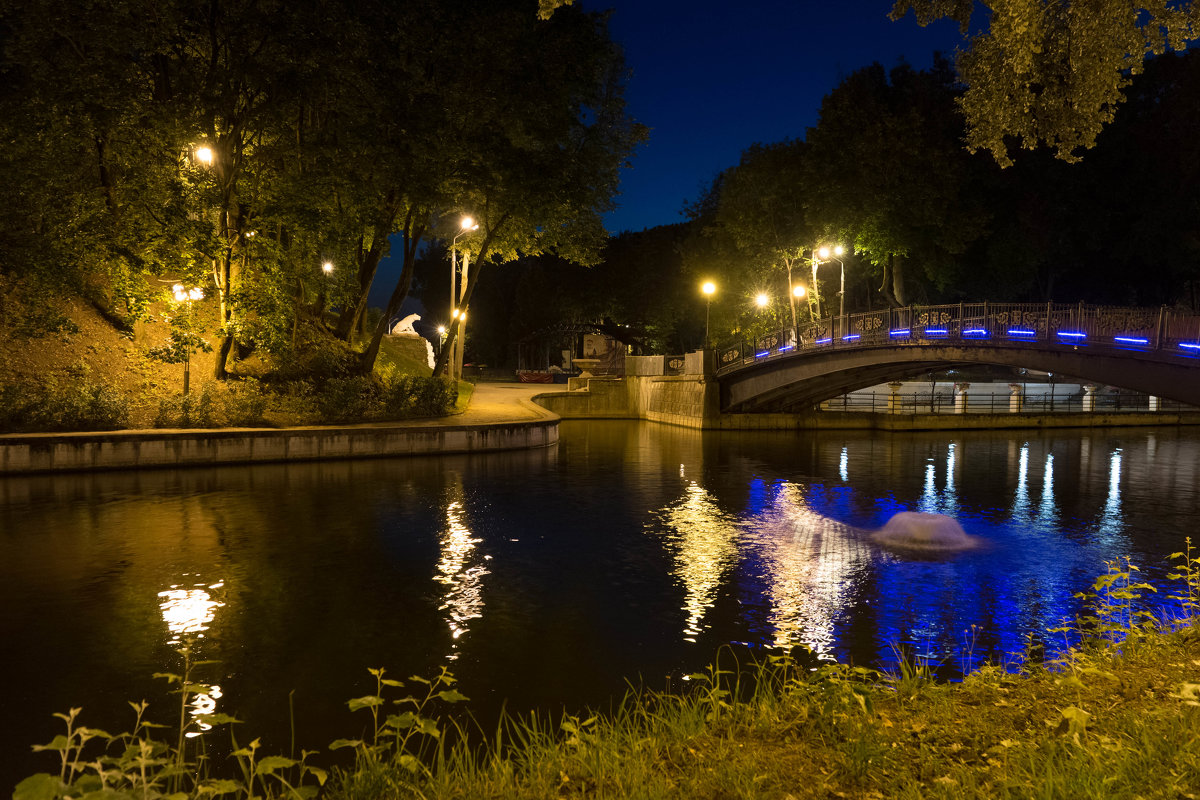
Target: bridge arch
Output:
[(850, 353)]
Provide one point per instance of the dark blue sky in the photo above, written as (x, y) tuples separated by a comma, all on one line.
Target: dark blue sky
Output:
[(712, 77)]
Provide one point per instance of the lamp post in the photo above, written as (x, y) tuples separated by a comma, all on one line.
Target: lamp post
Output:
[(326, 269), (466, 225), (186, 297), (820, 253), (708, 288)]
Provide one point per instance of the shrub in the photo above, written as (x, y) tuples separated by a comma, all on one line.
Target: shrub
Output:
[(350, 399), (77, 404), (415, 396), (245, 405)]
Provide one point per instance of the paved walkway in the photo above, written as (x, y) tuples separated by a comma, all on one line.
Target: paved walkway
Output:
[(503, 402)]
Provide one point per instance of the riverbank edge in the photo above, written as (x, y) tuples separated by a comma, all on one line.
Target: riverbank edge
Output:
[(32, 453), (693, 402)]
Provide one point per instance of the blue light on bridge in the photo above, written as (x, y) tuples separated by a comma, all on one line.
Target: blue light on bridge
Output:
[(1131, 340), (1021, 332), (900, 333), (787, 347), (763, 354), (826, 340), (1190, 345), (851, 337), (1076, 336), (977, 333), (937, 332)]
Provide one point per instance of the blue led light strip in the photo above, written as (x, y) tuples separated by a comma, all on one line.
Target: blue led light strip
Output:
[(1021, 332), (1130, 340), (900, 332), (1072, 334), (823, 341), (850, 337)]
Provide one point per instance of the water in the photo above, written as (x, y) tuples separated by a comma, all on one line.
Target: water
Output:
[(547, 578)]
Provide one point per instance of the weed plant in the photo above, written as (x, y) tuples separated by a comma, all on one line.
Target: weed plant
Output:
[(1114, 714)]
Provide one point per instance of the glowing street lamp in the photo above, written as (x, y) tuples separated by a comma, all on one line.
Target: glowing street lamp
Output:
[(186, 297), (837, 251), (820, 253), (762, 300), (466, 225), (709, 288), (204, 155)]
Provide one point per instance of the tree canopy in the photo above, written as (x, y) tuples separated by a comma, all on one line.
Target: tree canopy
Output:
[(1053, 72), (241, 145)]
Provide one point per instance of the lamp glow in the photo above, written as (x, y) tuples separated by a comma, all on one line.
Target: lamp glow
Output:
[(762, 300), (204, 154)]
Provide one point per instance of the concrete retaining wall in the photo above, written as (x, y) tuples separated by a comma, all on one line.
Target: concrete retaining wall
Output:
[(686, 400), (54, 452)]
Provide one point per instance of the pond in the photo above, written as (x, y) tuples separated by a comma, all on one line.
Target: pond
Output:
[(545, 579)]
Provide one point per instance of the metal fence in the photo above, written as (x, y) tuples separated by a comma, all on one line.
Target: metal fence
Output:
[(997, 403), (1135, 329)]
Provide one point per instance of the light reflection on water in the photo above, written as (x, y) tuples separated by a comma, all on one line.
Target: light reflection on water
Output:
[(461, 570), (553, 576)]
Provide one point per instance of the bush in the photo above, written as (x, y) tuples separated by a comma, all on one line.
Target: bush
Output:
[(245, 405), (350, 399), (407, 396), (77, 404)]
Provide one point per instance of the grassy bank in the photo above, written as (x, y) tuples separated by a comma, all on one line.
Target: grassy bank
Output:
[(1114, 713)]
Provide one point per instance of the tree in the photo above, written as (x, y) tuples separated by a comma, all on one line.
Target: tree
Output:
[(540, 169), (761, 211), (887, 174), (1054, 72)]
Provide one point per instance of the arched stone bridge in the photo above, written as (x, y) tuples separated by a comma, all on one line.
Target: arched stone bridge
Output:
[(1151, 350)]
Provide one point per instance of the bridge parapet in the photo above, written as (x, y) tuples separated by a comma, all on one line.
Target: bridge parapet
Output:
[(1150, 330)]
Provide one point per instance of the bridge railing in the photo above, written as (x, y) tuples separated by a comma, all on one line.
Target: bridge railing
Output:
[(1146, 329)]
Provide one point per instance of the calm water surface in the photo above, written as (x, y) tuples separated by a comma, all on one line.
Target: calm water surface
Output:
[(548, 577)]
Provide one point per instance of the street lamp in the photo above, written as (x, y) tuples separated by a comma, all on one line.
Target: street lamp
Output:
[(837, 251), (204, 154), (708, 288), (466, 225), (187, 297), (762, 300), (820, 253)]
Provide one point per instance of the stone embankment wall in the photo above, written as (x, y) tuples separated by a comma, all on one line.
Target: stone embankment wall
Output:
[(52, 452), (692, 400)]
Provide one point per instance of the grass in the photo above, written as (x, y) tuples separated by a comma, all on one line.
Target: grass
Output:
[(1114, 714)]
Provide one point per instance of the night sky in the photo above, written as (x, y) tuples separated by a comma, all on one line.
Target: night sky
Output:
[(712, 77)]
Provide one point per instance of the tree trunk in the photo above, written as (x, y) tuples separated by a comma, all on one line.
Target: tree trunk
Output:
[(408, 266), (368, 264), (443, 357), (898, 281)]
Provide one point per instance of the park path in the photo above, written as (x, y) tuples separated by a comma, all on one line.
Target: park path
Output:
[(503, 402)]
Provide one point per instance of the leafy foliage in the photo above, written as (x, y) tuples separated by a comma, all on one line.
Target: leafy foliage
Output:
[(1054, 73)]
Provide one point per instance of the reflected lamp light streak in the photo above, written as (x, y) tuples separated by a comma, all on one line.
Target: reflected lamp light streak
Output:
[(463, 598), (1046, 510), (950, 493), (705, 544), (188, 612), (844, 464), (1021, 501), (811, 566), (929, 500), (1110, 519)]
